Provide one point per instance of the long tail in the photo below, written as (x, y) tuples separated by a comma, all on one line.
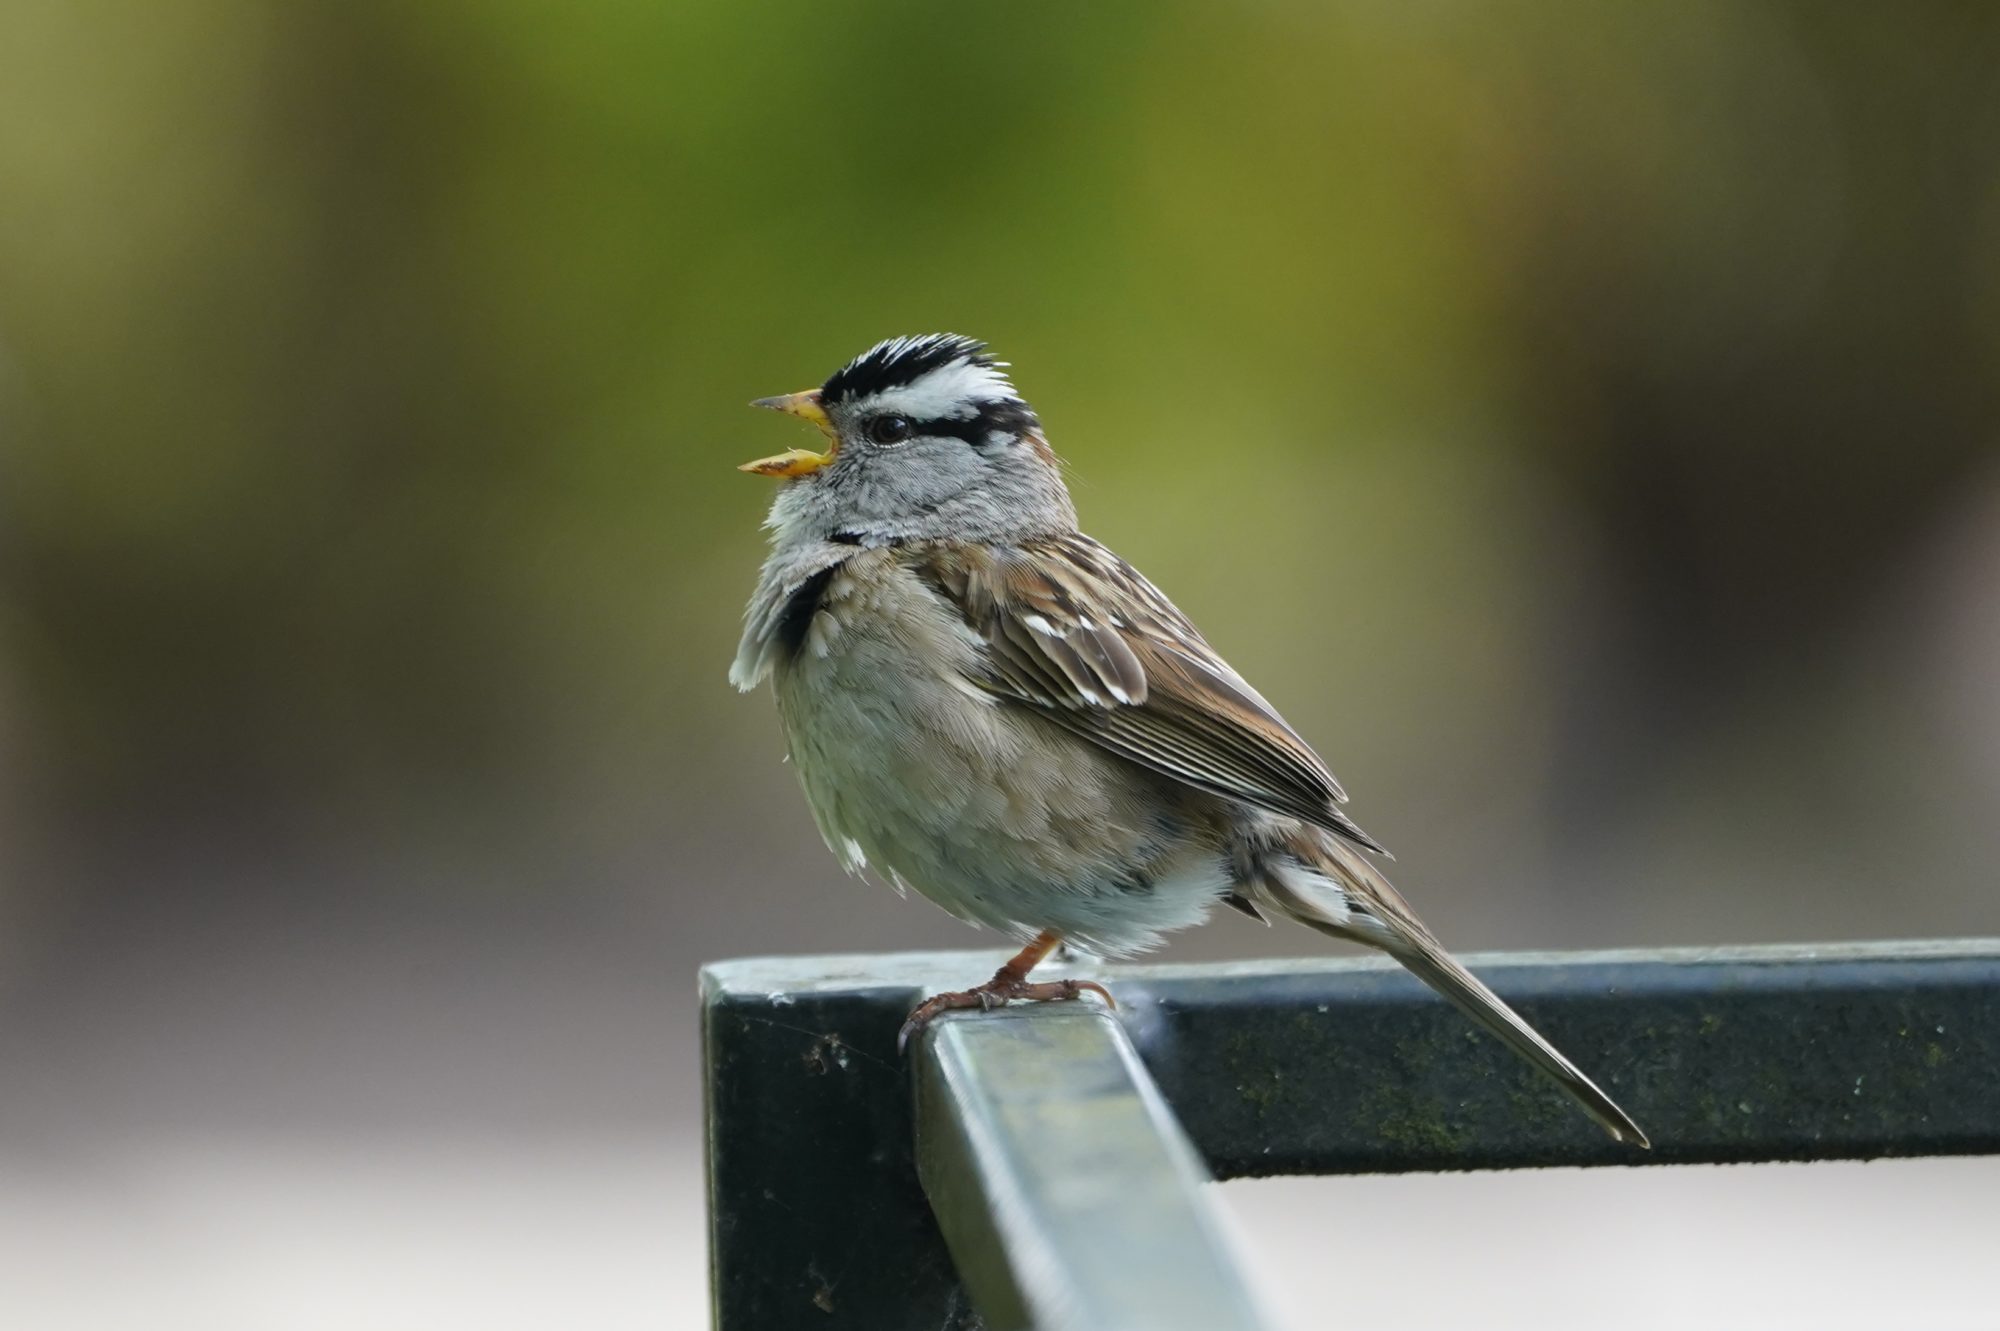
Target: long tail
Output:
[(1438, 969), (1346, 896)]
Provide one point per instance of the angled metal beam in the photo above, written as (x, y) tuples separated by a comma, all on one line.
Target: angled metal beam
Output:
[(1069, 1197)]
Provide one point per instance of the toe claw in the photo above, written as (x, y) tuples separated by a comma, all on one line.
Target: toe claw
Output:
[(920, 1017), (997, 992)]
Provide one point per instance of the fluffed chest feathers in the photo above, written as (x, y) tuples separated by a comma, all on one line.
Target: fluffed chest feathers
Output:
[(873, 678), (871, 632), (911, 768)]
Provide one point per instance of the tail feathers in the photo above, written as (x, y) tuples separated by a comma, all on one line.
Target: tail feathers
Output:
[(1360, 905), (1440, 971)]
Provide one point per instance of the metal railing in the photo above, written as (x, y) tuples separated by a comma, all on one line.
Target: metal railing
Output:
[(1041, 1167)]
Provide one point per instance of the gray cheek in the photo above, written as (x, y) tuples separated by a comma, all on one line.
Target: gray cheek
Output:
[(912, 478)]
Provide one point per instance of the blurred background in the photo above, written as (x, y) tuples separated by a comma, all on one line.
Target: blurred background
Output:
[(1584, 425)]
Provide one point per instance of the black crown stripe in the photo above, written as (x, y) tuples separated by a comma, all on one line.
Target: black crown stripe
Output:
[(901, 361)]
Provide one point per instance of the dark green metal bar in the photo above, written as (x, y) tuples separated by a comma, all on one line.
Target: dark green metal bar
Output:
[(1070, 1198), (1835, 1053), (1845, 1052), (816, 1218)]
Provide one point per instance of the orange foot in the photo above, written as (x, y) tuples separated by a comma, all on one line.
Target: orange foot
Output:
[(1008, 983)]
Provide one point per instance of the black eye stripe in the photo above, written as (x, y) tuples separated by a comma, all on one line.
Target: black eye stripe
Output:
[(1008, 417), (972, 432)]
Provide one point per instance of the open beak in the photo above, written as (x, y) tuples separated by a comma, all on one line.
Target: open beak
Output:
[(799, 461)]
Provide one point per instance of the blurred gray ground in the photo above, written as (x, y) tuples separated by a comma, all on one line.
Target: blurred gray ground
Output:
[(202, 1235), (1584, 424), (315, 1124), (487, 1116)]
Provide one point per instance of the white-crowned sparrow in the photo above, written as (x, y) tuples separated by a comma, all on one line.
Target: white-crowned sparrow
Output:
[(988, 706)]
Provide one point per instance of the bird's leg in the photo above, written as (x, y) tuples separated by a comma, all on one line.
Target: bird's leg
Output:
[(1009, 982)]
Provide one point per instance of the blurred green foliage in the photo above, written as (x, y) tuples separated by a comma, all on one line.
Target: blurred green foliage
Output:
[(1512, 390)]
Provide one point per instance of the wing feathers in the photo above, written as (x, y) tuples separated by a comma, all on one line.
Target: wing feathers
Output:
[(1077, 633)]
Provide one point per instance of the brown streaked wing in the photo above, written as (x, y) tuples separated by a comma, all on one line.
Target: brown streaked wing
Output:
[(1077, 633)]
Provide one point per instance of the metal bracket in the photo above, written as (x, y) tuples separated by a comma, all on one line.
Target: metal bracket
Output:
[(818, 1209)]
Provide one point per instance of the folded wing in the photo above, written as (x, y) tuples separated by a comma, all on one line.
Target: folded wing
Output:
[(1078, 634)]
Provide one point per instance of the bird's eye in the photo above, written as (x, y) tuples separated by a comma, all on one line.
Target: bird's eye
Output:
[(888, 429)]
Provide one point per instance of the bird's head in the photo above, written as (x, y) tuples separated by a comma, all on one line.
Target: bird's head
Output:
[(925, 439)]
